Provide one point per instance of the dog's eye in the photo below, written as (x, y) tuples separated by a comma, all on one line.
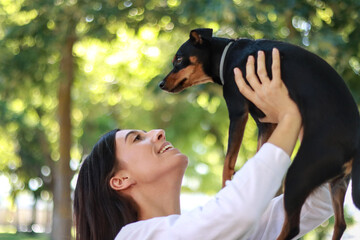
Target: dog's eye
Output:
[(178, 60)]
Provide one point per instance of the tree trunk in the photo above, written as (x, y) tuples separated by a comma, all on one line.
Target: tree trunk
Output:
[(62, 214)]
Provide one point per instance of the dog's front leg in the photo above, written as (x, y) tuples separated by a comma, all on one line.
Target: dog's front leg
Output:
[(236, 133), (265, 131)]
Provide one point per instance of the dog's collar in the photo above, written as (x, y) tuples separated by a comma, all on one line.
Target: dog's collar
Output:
[(222, 61)]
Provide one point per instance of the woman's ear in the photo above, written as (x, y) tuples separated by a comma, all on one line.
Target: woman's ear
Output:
[(121, 182)]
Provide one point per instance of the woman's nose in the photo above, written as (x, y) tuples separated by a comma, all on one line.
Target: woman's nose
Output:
[(158, 134)]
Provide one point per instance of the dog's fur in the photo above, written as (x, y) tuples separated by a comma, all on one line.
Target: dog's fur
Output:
[(330, 149)]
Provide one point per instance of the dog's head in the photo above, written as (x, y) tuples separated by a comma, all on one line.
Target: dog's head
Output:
[(191, 63)]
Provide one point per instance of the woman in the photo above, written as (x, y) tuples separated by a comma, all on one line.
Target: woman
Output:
[(129, 185)]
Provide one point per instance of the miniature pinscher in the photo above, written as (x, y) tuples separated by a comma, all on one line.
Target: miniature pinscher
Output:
[(330, 148)]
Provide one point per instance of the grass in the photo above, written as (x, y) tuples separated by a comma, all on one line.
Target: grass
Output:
[(23, 236)]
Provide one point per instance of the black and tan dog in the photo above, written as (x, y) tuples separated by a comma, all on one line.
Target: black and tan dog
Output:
[(330, 149)]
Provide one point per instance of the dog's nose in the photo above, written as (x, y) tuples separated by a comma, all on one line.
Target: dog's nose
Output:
[(162, 84)]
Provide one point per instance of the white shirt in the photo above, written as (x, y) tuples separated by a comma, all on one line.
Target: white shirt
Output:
[(244, 209)]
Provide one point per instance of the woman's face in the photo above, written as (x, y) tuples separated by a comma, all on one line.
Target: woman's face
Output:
[(148, 157)]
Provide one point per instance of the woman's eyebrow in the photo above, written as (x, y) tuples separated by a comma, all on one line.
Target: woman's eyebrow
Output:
[(131, 132), (128, 134)]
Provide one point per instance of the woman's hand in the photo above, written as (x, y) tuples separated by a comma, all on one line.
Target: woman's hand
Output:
[(270, 96)]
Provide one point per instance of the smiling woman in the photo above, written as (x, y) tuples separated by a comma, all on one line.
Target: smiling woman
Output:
[(133, 175), (135, 165)]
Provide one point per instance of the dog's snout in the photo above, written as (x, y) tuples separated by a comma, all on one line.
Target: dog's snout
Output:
[(162, 84)]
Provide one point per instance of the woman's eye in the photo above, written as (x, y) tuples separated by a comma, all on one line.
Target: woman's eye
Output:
[(138, 137)]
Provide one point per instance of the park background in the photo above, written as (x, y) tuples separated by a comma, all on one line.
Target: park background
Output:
[(71, 70)]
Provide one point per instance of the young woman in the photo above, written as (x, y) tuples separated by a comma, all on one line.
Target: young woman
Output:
[(129, 185)]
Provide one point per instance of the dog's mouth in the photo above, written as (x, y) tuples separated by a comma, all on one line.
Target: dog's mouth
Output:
[(179, 87)]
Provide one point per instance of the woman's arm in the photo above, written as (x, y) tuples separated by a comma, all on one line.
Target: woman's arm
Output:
[(316, 209)]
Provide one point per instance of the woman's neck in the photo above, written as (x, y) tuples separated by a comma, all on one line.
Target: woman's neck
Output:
[(158, 209), (157, 202)]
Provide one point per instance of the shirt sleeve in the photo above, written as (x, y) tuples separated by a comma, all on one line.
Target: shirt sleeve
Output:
[(233, 212), (316, 209)]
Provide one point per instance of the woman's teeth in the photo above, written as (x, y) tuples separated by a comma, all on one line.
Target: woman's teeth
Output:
[(167, 147)]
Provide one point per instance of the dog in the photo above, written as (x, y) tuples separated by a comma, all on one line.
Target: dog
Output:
[(330, 148)]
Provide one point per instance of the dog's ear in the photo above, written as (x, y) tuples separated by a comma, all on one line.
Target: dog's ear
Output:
[(198, 36)]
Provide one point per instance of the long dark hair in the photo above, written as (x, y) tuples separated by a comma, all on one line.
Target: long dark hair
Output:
[(100, 212)]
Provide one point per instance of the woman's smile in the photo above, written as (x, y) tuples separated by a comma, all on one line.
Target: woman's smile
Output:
[(165, 147)]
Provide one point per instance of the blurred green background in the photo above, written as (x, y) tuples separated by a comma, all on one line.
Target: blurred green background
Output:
[(71, 70)]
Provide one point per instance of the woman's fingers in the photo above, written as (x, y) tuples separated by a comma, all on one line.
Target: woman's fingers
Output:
[(245, 90), (261, 68), (250, 73), (275, 67)]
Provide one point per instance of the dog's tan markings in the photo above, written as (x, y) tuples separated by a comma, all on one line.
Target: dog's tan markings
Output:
[(193, 59), (347, 167), (198, 75), (197, 37), (184, 73), (174, 79), (194, 75)]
